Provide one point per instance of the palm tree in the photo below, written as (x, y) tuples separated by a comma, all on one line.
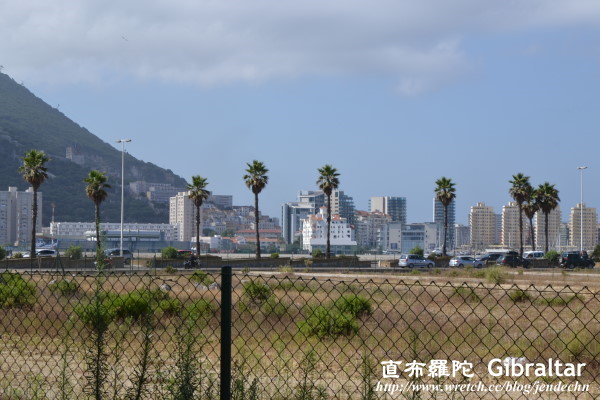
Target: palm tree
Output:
[(530, 207), (35, 173), (96, 191), (328, 181), (198, 193), (256, 179), (445, 193), (547, 198), (518, 191)]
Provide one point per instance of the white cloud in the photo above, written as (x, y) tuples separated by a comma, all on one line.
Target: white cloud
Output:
[(208, 42)]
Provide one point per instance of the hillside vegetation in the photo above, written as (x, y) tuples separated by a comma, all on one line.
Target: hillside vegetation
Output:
[(26, 122)]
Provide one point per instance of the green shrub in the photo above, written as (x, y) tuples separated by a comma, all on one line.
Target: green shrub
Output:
[(17, 255), (552, 256), (98, 313), (257, 292), (274, 306), (495, 275), (170, 307), (355, 305), (274, 255), (519, 295), (74, 252), (201, 277), (328, 322), (317, 253), (596, 253), (65, 287), (199, 308), (16, 292), (417, 250), (169, 252), (132, 305), (107, 306), (2, 253)]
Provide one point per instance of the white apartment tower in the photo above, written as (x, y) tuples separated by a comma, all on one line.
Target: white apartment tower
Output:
[(182, 212), (510, 226), (483, 226), (590, 227), (554, 240)]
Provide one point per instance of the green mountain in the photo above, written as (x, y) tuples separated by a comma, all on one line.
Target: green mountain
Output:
[(26, 122)]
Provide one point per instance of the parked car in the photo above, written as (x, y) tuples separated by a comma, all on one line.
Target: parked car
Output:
[(489, 257), (41, 253), (537, 255), (45, 253), (127, 256), (511, 260), (573, 259), (414, 260), (465, 261)]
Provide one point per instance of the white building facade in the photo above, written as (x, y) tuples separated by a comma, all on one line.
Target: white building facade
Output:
[(482, 221), (588, 231), (314, 233)]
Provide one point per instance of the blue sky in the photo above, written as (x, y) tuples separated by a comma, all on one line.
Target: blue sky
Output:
[(395, 94)]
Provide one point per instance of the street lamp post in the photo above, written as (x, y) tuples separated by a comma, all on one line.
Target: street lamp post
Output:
[(122, 141), (581, 211)]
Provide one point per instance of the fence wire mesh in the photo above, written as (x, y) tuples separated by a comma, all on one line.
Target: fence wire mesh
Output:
[(294, 336)]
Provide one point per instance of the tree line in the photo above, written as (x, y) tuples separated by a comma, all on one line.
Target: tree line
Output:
[(529, 199)]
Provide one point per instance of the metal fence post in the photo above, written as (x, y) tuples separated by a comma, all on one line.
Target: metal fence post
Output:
[(226, 289)]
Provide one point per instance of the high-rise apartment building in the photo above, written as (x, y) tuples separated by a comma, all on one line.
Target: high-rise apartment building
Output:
[(589, 233), (342, 205), (482, 221), (15, 215), (438, 218), (292, 215), (395, 207), (554, 240), (510, 226), (182, 212)]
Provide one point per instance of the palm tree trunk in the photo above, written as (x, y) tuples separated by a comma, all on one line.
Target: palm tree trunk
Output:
[(546, 229), (531, 232), (97, 229), (328, 248), (520, 230), (198, 230), (34, 223), (256, 219), (445, 230)]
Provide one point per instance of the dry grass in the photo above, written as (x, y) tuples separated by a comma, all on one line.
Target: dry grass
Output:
[(411, 320)]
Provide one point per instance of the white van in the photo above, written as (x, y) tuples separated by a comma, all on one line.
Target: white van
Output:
[(537, 255)]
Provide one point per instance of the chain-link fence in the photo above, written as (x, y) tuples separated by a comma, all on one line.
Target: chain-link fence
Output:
[(293, 336)]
